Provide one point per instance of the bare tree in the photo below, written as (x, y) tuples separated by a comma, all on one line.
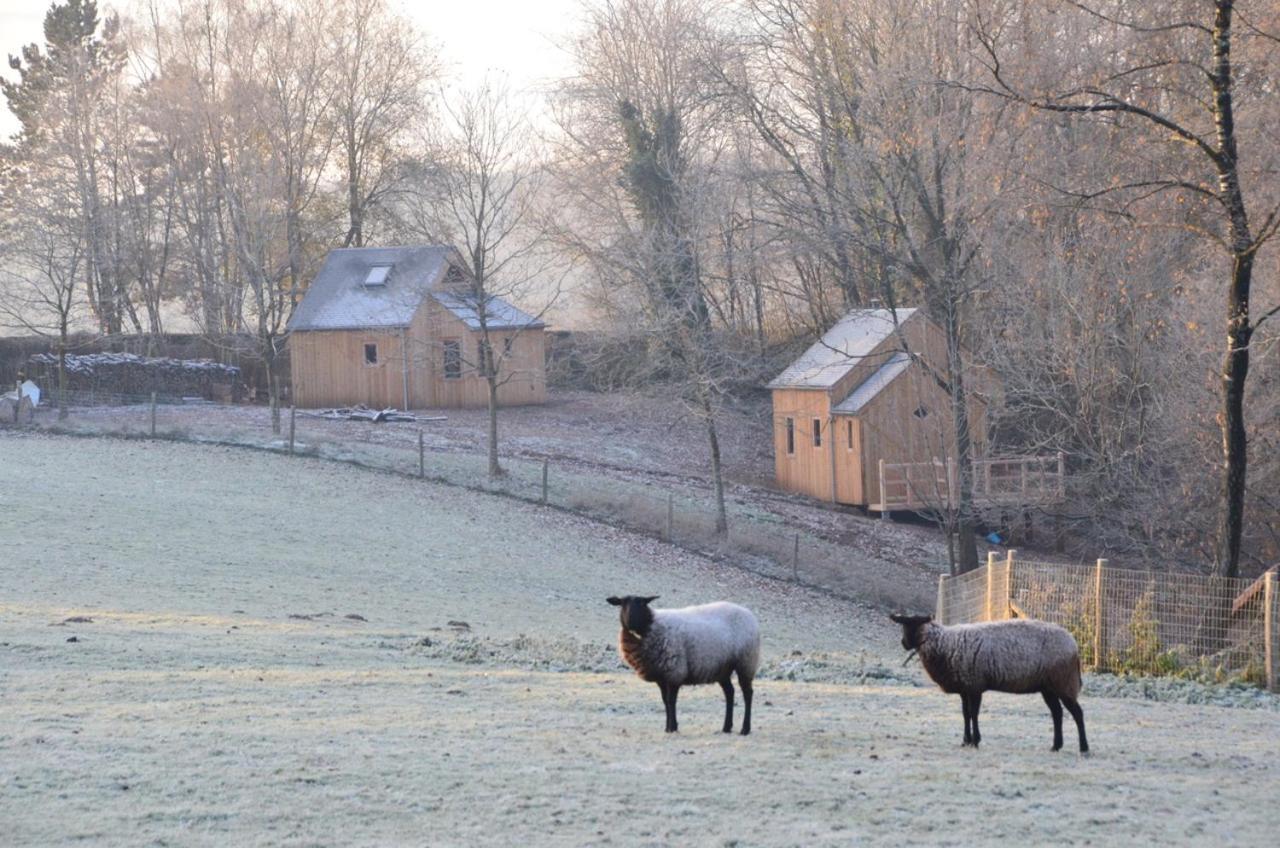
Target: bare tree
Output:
[(381, 73), (642, 131), (42, 253), (1174, 84), (483, 195)]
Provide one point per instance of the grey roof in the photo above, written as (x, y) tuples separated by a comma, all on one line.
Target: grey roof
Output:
[(840, 348), (873, 385), (499, 314), (338, 298)]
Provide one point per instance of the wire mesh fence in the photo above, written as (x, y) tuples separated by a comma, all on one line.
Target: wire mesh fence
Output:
[(1132, 621), (757, 539)]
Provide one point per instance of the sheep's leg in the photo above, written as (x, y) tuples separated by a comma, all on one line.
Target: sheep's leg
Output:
[(727, 685), (964, 705), (672, 724), (744, 683), (1055, 709), (975, 705), (669, 705), (1073, 707)]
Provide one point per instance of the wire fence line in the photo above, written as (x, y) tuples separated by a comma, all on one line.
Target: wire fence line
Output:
[(1133, 621), (758, 540), (1124, 620)]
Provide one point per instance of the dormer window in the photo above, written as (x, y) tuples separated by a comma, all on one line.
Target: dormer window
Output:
[(377, 275)]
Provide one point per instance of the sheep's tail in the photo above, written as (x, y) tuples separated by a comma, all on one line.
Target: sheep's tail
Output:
[(1076, 682)]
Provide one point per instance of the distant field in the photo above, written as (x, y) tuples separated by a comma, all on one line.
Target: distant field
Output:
[(289, 652)]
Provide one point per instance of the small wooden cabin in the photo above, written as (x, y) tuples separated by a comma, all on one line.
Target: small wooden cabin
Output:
[(860, 395), (400, 327)]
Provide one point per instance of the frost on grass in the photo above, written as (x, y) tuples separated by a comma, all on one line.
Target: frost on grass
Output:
[(569, 655)]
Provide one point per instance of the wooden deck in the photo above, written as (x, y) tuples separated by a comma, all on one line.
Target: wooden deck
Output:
[(999, 481)]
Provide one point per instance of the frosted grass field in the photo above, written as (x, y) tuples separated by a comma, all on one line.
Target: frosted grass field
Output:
[(290, 652)]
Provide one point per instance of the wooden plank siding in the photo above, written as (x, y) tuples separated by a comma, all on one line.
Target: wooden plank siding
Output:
[(328, 368), (895, 432), (909, 420), (806, 469)]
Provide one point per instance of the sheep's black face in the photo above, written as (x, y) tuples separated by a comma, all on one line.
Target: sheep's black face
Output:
[(911, 627), (634, 612)]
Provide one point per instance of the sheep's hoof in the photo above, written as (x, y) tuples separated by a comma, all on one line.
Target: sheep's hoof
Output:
[(1085, 752), (746, 731), (727, 730)]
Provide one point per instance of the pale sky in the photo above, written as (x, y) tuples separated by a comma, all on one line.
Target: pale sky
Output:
[(515, 37)]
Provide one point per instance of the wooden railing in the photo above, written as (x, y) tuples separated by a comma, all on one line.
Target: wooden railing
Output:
[(1006, 481)]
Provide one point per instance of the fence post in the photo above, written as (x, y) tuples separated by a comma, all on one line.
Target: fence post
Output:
[(1269, 633), (671, 517), (940, 608), (293, 426), (17, 401), (544, 481), (884, 495), (1062, 475), (1099, 616), (422, 457), (1007, 609), (153, 415), (795, 560), (991, 585)]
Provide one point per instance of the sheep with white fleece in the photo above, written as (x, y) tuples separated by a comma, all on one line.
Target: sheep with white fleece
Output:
[(1019, 656), (689, 647)]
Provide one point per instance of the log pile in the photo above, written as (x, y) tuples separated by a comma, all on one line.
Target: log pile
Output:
[(360, 412), (127, 374)]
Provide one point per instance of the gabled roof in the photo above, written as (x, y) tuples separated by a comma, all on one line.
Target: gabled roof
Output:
[(840, 349), (873, 385), (347, 293), (339, 299), (499, 314)]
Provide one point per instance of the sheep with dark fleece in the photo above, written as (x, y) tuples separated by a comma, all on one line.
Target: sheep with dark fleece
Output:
[(691, 646), (1020, 656)]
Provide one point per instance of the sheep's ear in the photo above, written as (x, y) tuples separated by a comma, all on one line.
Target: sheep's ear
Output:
[(898, 618), (617, 602), (651, 599)]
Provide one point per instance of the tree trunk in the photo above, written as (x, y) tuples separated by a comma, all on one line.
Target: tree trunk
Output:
[(495, 469), (62, 370), (717, 473), (966, 545), (1235, 369), (273, 384)]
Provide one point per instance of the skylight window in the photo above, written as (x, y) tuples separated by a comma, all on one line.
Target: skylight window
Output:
[(377, 275)]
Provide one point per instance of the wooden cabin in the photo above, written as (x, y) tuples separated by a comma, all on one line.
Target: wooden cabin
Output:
[(859, 395), (400, 327)]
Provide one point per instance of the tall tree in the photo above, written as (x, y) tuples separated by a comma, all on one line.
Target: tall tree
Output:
[(483, 194), (381, 73), (60, 99), (1174, 84)]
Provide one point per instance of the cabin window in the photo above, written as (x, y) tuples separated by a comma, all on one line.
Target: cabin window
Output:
[(377, 275), (817, 432), (506, 345), (791, 435), (370, 353), (452, 359), (849, 430), (922, 412)]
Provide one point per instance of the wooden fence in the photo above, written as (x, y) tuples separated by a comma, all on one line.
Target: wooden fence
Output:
[(998, 481), (1132, 621)]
